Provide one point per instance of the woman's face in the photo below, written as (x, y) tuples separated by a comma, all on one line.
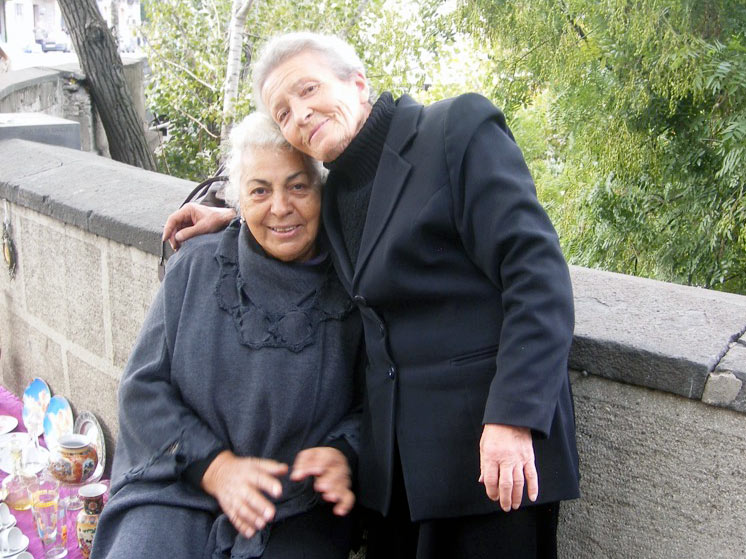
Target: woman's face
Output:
[(280, 204), (318, 113)]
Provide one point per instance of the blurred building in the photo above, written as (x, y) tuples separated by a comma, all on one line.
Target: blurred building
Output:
[(38, 24)]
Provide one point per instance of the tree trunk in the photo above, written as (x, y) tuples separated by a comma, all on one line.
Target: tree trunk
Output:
[(99, 59), (236, 31)]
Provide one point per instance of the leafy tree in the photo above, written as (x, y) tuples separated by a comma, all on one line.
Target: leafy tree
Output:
[(187, 47), (642, 108), (185, 44)]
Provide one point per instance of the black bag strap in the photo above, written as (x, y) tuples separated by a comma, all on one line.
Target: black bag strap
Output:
[(197, 192)]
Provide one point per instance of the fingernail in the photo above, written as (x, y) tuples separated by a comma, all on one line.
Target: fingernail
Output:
[(260, 523), (268, 514)]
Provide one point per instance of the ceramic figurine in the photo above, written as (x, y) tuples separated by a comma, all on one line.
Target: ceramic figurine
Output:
[(93, 502)]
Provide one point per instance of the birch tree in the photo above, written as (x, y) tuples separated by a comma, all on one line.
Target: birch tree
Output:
[(236, 36), (200, 52)]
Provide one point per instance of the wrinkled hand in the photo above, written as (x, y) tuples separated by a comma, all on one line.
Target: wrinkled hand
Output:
[(507, 463), (333, 476), (193, 220), (240, 484)]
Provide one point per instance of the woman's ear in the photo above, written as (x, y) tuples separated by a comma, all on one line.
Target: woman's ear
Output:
[(361, 82)]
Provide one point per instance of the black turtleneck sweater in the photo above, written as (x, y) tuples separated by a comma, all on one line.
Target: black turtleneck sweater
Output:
[(351, 175)]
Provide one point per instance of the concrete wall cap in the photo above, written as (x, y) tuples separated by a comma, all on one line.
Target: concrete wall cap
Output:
[(16, 80), (104, 197), (652, 333), (649, 333)]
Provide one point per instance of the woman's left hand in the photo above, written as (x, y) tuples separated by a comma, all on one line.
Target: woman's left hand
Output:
[(333, 476)]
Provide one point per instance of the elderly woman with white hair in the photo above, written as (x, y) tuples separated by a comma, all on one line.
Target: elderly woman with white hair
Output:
[(468, 433), (245, 365)]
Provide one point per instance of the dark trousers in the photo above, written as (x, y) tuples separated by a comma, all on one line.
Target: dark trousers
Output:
[(527, 533)]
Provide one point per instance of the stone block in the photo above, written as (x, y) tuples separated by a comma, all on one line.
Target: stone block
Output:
[(659, 476), (40, 257), (655, 334), (133, 282), (32, 354), (62, 278), (84, 295), (734, 360), (39, 127), (734, 363), (721, 389), (5, 334), (96, 391)]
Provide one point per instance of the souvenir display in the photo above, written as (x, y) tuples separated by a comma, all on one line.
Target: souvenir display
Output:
[(8, 445), (7, 424), (12, 541), (74, 459), (35, 401), (49, 517), (73, 462), (58, 421), (87, 521), (32, 460), (7, 520), (15, 486), (87, 424)]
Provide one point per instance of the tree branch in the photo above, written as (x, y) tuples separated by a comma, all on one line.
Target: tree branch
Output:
[(189, 73)]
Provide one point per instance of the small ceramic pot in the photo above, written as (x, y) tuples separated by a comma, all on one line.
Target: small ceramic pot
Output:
[(74, 459), (87, 521)]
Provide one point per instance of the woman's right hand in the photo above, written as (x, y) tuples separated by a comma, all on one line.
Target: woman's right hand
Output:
[(240, 484), (195, 219)]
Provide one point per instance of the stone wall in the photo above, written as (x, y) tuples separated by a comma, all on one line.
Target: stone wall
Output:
[(84, 229), (658, 369), (61, 91)]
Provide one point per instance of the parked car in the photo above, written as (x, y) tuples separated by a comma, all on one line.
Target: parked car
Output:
[(56, 41)]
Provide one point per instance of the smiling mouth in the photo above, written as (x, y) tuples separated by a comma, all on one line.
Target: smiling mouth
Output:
[(315, 130), (286, 229)]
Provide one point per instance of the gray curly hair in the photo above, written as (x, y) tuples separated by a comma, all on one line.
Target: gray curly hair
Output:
[(340, 55), (257, 131)]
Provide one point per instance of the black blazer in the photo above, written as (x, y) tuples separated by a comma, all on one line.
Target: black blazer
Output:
[(467, 307)]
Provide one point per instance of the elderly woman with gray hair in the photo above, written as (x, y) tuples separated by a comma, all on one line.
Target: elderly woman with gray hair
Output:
[(467, 439), (245, 365)]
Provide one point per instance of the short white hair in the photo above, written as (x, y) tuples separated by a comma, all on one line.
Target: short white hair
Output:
[(341, 57), (258, 131)]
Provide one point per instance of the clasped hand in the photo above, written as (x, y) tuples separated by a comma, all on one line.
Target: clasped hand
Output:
[(241, 485)]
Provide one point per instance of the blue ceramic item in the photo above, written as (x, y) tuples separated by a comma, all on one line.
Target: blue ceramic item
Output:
[(35, 401), (58, 421)]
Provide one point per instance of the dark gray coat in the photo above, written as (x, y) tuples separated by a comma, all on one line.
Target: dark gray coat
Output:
[(238, 351)]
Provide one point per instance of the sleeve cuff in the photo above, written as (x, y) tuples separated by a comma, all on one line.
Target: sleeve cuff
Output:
[(194, 473), (345, 448)]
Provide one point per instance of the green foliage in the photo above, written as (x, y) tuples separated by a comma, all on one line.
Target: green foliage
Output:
[(631, 114), (641, 108), (187, 50)]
